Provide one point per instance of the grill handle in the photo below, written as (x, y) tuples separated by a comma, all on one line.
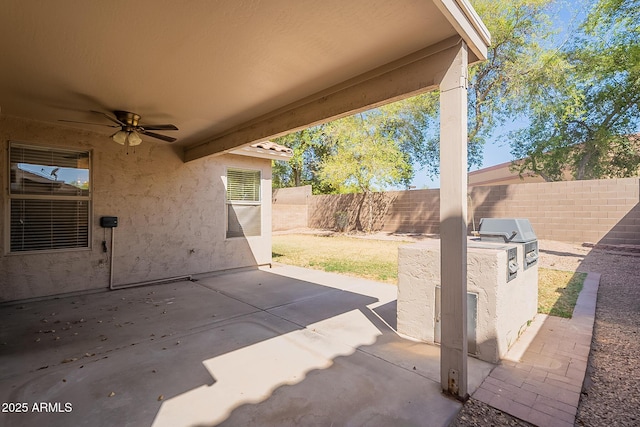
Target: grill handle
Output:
[(507, 238)]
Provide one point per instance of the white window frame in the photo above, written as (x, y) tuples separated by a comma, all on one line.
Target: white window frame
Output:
[(18, 196), (247, 202)]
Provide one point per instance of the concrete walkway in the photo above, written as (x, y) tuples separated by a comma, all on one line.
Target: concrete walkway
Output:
[(541, 378), (275, 347)]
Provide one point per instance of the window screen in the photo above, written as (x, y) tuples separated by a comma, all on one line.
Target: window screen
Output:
[(50, 199), (244, 210)]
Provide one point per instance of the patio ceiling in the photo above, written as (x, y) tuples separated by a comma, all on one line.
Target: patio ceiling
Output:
[(227, 73)]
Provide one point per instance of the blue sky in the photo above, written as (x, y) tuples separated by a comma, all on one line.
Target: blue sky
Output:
[(68, 175), (496, 151)]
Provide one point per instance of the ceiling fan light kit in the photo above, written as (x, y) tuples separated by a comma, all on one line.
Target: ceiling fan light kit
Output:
[(134, 138), (130, 138), (120, 137), (130, 128)]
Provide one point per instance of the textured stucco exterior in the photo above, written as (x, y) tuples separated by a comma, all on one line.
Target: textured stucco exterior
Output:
[(504, 308), (172, 216)]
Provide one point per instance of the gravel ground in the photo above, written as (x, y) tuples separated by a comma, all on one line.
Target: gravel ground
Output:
[(611, 393)]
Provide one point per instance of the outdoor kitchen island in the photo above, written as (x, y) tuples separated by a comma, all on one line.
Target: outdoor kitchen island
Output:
[(502, 289)]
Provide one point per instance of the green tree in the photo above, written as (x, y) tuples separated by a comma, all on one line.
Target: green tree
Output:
[(377, 149), (309, 149), (583, 102), (333, 157), (365, 156), (520, 32), (519, 29)]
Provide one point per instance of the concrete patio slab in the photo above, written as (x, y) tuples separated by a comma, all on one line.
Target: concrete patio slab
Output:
[(282, 346), (262, 290), (45, 333), (353, 325)]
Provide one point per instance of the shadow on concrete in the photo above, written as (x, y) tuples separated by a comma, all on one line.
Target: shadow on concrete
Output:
[(389, 314), (255, 348)]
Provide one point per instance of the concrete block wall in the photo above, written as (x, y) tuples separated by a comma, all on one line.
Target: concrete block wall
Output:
[(416, 211), (290, 207), (366, 212), (597, 211)]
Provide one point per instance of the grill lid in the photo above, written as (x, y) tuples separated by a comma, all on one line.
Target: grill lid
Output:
[(509, 230)]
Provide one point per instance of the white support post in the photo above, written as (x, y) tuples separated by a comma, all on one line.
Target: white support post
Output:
[(453, 226)]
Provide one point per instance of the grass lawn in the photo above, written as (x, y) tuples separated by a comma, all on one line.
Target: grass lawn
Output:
[(558, 291), (370, 259), (378, 260)]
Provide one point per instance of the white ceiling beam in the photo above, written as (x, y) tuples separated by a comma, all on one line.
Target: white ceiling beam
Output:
[(419, 72)]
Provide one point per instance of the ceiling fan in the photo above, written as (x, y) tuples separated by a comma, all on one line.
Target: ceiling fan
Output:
[(130, 128)]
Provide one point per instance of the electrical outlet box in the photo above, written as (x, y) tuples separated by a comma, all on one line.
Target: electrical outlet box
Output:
[(109, 221)]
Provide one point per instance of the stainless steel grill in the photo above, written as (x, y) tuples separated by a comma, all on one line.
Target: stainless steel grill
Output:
[(511, 230)]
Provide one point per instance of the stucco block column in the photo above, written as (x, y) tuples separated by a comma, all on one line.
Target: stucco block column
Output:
[(453, 225)]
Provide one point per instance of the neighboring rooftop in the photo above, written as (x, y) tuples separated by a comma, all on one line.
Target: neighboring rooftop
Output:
[(266, 149)]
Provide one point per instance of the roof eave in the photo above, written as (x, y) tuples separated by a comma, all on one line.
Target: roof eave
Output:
[(262, 153), (468, 24)]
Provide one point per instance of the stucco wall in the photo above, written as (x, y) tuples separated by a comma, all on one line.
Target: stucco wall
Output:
[(503, 308), (171, 216)]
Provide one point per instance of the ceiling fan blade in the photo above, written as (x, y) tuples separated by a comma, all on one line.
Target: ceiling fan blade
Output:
[(159, 127), (157, 135), (116, 121), (88, 123)]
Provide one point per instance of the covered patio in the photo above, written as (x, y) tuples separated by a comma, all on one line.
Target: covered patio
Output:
[(265, 347), (222, 76)]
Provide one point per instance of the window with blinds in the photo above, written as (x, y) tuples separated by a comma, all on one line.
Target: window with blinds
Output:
[(244, 210), (50, 198)]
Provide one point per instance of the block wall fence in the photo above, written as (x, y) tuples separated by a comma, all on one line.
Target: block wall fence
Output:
[(290, 208), (596, 211)]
